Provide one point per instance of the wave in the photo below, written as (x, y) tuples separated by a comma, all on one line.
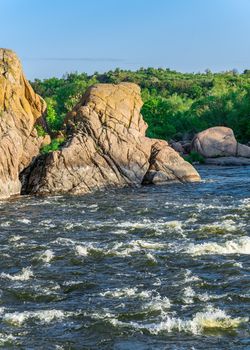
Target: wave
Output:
[(160, 226), (47, 223), (64, 241), (15, 238), (139, 245), (157, 303), (6, 339), (120, 249), (190, 277), (24, 275), (44, 316), (81, 250), (151, 258), (188, 295), (245, 203), (222, 227), (202, 322), (126, 292), (237, 246), (5, 224), (24, 221), (47, 256), (152, 304), (122, 227)]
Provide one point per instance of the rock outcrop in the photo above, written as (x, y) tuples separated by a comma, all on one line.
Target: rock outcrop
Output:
[(219, 141), (20, 109), (106, 147), (166, 166)]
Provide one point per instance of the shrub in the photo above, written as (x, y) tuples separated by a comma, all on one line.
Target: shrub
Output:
[(40, 130), (53, 146), (194, 157), (54, 121)]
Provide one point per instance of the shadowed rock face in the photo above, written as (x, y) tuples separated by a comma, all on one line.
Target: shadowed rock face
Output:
[(106, 147), (20, 108), (219, 141)]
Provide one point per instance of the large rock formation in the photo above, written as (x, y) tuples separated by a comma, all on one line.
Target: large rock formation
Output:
[(20, 109), (106, 147), (219, 141)]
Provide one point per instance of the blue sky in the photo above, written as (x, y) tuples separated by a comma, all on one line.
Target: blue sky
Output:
[(53, 37)]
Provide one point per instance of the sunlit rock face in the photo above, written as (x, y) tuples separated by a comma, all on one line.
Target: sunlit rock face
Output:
[(20, 109), (219, 141), (106, 147)]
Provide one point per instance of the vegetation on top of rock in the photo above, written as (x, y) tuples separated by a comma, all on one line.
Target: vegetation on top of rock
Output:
[(53, 146), (176, 105), (40, 130)]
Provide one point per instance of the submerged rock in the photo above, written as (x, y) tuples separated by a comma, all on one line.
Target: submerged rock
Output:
[(20, 109), (219, 141), (107, 147)]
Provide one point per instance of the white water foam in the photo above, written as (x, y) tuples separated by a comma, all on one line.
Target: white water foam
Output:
[(65, 241), (126, 249), (237, 246), (15, 238), (126, 293), (210, 319), (24, 275), (158, 226), (120, 209), (24, 221), (188, 295), (157, 303), (151, 258), (245, 203), (6, 339), (189, 277), (5, 224), (45, 316), (222, 227), (121, 249), (81, 250), (47, 256)]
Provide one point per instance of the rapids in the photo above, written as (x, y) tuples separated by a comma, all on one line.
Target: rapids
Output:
[(149, 268)]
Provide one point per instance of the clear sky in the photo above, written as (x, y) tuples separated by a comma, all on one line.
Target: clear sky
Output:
[(53, 37)]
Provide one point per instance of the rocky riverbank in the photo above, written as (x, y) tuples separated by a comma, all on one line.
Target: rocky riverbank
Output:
[(216, 146)]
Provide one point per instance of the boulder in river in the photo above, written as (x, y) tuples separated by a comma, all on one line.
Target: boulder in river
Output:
[(219, 141), (106, 147)]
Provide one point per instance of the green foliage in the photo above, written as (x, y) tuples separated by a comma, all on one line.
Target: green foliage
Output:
[(40, 130), (54, 120), (164, 115), (53, 146), (194, 157), (176, 105)]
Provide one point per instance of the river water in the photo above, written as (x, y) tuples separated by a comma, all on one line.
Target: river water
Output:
[(150, 268)]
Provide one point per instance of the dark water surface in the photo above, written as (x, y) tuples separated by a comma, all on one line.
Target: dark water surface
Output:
[(150, 268)]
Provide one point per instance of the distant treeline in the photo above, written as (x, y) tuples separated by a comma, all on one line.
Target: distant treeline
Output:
[(176, 105)]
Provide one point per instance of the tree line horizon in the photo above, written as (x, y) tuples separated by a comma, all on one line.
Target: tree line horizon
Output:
[(176, 105)]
